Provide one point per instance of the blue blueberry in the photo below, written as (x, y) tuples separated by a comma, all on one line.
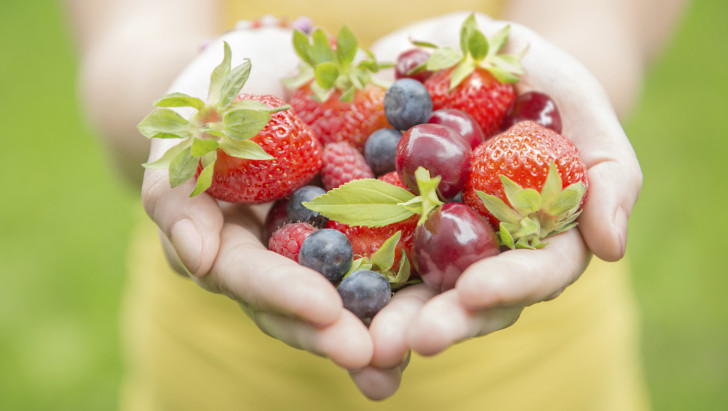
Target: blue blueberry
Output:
[(327, 251), (364, 293), (298, 213), (407, 103), (380, 150)]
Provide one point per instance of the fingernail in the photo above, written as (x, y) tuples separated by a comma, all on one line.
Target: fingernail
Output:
[(620, 226), (187, 242)]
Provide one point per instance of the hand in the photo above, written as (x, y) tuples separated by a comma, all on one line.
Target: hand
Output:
[(218, 245), (491, 293)]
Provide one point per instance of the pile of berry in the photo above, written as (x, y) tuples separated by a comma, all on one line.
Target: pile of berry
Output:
[(378, 186)]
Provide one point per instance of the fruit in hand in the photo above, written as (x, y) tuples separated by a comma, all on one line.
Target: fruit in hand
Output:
[(453, 237), (328, 252), (296, 212), (407, 103), (287, 240), (462, 122), (340, 100), (439, 149), (534, 106), (475, 79), (529, 181), (240, 148), (364, 293), (343, 163)]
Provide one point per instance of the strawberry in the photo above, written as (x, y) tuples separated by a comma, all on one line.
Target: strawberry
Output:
[(343, 163), (341, 101), (529, 180), (239, 147), (393, 178), (475, 79), (287, 240)]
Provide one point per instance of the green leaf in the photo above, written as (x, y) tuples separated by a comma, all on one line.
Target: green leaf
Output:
[(243, 124), (469, 26), (233, 83), (180, 100), (528, 201), (498, 208), (568, 200), (383, 258), (404, 271), (443, 58), (346, 47), (302, 46), (551, 187), (218, 75), (256, 105), (511, 189), (321, 51), (509, 63), (461, 72), (499, 39), (326, 74), (427, 187), (164, 123), (321, 94), (503, 76), (367, 202), (348, 95), (425, 44), (182, 167), (505, 237), (359, 264), (164, 161), (244, 149), (204, 180), (529, 227), (202, 146), (304, 76), (477, 45)]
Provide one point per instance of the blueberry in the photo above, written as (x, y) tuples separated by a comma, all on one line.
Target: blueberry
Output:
[(407, 103), (364, 293), (380, 150), (298, 213), (327, 251)]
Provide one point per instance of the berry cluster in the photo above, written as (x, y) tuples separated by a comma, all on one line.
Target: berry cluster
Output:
[(379, 186)]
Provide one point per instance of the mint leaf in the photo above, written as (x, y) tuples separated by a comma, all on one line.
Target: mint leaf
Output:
[(368, 202), (233, 83), (164, 123), (244, 149), (180, 100)]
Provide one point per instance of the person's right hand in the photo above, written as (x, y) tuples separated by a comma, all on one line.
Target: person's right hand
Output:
[(219, 245)]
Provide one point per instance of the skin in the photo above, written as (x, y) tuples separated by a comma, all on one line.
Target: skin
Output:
[(218, 246)]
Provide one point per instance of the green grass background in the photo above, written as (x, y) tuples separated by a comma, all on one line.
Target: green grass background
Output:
[(65, 222)]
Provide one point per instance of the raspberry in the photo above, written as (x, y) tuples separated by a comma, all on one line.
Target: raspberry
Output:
[(287, 240), (343, 163)]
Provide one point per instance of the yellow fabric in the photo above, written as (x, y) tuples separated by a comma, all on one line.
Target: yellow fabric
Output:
[(192, 350)]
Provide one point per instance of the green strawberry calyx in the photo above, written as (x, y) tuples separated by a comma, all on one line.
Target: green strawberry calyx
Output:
[(219, 123), (382, 261), (476, 50), (329, 68), (533, 216), (375, 203)]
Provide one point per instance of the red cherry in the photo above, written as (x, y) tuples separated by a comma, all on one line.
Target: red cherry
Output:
[(441, 150), (408, 60), (534, 106), (453, 237), (461, 121)]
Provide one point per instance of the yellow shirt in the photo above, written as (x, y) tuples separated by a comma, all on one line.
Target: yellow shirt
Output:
[(192, 350)]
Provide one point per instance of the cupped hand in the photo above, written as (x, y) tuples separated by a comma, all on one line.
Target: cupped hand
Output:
[(491, 294), (219, 245)]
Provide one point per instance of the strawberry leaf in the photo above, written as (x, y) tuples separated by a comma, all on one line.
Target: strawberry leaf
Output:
[(346, 47), (321, 50), (233, 83), (202, 146), (302, 46), (326, 74), (180, 100), (505, 237), (243, 124), (477, 45), (164, 123), (461, 72), (443, 58), (499, 39), (244, 149), (469, 25), (502, 75), (498, 208), (383, 258), (218, 75), (204, 180), (164, 161), (427, 187), (369, 202), (551, 187), (182, 167)]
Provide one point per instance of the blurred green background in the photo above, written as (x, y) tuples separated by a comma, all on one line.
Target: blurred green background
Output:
[(65, 221)]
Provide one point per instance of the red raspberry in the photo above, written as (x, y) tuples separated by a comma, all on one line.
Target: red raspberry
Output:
[(287, 240), (343, 163)]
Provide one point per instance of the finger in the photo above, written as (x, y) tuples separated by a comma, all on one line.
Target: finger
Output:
[(524, 277), (377, 384), (443, 322), (388, 328), (346, 341), (246, 271), (192, 225)]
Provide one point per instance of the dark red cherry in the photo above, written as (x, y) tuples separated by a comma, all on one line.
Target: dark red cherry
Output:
[(408, 60), (461, 121), (453, 237), (534, 106), (439, 149)]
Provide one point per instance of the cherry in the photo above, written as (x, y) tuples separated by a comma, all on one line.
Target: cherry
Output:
[(453, 237), (534, 106), (461, 121), (408, 60), (441, 150)]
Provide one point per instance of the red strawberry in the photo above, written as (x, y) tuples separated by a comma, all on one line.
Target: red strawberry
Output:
[(287, 240), (511, 182), (393, 178), (476, 79), (240, 148), (343, 163), (297, 155), (337, 98)]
